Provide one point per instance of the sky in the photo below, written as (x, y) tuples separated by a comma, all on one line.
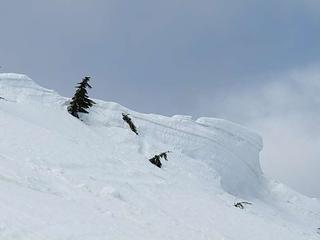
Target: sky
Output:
[(253, 62)]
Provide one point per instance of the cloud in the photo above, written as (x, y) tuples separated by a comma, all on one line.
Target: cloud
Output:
[(285, 110)]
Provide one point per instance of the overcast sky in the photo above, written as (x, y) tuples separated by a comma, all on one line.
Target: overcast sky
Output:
[(255, 62)]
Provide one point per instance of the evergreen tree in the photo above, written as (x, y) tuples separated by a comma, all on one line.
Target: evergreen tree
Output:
[(81, 101), (156, 160), (128, 120), (241, 204)]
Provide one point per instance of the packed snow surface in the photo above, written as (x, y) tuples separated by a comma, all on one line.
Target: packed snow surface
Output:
[(66, 179)]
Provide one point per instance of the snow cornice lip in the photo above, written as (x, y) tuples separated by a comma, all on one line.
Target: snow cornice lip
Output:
[(14, 76), (18, 80), (16, 87)]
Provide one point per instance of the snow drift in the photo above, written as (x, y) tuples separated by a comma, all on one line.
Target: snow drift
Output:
[(61, 178)]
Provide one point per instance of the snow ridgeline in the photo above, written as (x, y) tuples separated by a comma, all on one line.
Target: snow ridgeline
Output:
[(61, 178)]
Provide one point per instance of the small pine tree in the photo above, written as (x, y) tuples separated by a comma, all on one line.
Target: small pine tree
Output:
[(156, 160), (81, 101), (241, 204), (128, 120)]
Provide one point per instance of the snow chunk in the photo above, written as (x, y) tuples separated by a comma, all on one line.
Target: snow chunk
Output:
[(109, 192)]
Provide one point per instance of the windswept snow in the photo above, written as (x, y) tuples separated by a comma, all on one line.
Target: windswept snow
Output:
[(63, 179)]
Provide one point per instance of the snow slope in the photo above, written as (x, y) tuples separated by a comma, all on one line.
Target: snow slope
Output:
[(63, 179)]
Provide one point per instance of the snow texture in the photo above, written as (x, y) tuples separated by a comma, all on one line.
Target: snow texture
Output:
[(65, 179)]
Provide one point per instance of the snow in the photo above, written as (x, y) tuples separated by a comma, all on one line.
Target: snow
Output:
[(64, 179)]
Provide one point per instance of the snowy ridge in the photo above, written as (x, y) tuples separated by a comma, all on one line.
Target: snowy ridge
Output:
[(228, 142), (63, 179)]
